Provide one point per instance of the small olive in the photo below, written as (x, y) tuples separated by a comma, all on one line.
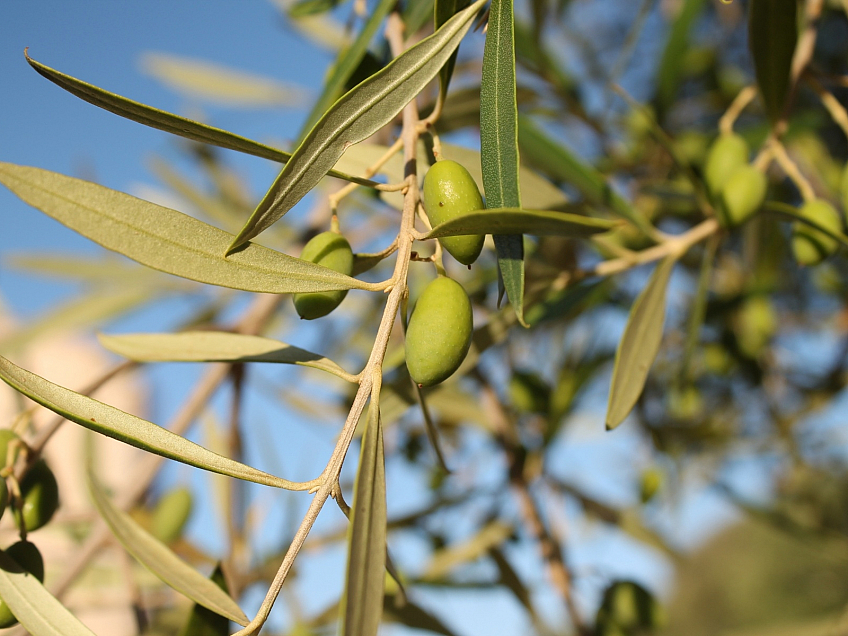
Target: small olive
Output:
[(40, 494), (743, 194), (333, 251), (727, 154), (29, 558), (810, 246), (628, 608), (171, 514), (449, 192), (439, 333)]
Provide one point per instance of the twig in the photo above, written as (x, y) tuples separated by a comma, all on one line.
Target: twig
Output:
[(837, 111), (791, 169), (739, 103)]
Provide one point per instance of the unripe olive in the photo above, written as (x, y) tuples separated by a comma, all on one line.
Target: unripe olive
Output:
[(743, 194), (29, 558), (755, 324), (628, 609), (810, 246), (449, 192), (171, 514), (330, 250), (40, 494), (725, 156), (439, 332)]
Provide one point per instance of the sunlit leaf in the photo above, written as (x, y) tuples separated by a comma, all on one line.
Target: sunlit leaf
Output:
[(36, 609), (357, 115), (217, 83), (111, 422), (160, 560), (499, 143), (443, 11), (214, 346), (639, 345), (362, 604), (163, 120), (165, 239), (772, 35), (517, 220)]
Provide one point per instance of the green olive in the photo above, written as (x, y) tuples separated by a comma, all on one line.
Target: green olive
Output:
[(650, 483), (439, 332), (449, 192), (810, 246), (330, 250), (40, 494), (171, 514), (742, 196), (755, 324), (628, 609), (29, 558), (727, 154)]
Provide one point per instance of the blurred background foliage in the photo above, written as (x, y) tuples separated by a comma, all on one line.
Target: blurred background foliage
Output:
[(723, 499)]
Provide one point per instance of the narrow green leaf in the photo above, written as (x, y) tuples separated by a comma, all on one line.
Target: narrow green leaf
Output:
[(772, 35), (518, 220), (346, 63), (163, 120), (311, 7), (85, 268), (36, 609), (160, 560), (214, 346), (639, 345), (204, 622), (674, 53), (414, 616), (357, 115), (443, 11), (165, 239), (499, 143), (491, 535), (362, 604), (219, 84), (111, 422), (792, 212)]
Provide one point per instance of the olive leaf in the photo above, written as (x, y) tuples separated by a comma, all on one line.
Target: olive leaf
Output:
[(311, 7), (357, 115), (521, 221), (362, 604), (444, 10), (160, 560), (111, 422), (163, 120), (203, 622), (499, 144), (639, 345), (784, 209), (214, 346), (772, 35), (165, 239), (345, 65), (674, 53), (445, 560), (36, 609)]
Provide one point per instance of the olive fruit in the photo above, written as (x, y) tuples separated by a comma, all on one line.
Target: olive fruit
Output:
[(727, 154), (628, 609), (743, 194), (40, 494), (439, 332), (650, 483), (171, 514), (449, 192), (810, 246), (29, 558), (330, 250)]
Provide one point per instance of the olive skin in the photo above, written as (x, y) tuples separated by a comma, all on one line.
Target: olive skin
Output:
[(29, 558), (742, 196), (171, 514), (809, 245), (439, 333), (725, 156), (333, 251), (628, 609), (40, 494), (449, 192)]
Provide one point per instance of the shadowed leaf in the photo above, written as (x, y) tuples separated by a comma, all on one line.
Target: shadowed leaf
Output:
[(517, 220)]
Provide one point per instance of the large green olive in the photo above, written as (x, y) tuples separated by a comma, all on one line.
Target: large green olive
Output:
[(628, 609), (330, 250), (449, 192), (40, 494), (171, 514), (29, 558), (727, 154), (810, 246), (743, 194), (439, 332)]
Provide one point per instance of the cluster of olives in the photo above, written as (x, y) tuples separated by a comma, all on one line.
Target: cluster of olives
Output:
[(736, 187), (39, 499), (811, 246)]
